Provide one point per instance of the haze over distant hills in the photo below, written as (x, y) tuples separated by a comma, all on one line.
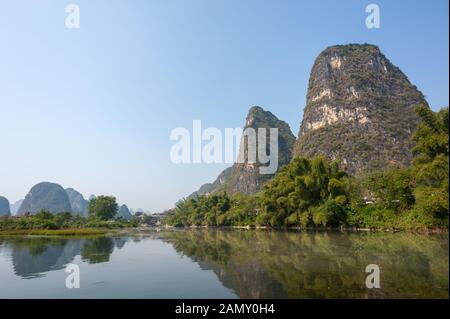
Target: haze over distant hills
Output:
[(49, 196), (124, 212), (55, 199), (77, 202), (15, 206)]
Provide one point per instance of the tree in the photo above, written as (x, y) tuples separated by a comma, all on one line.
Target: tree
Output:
[(303, 191), (392, 189), (44, 215), (418, 194), (103, 207), (431, 136), (431, 164)]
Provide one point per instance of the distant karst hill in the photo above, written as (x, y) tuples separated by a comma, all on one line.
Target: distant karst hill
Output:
[(15, 206), (55, 199), (245, 177), (124, 212), (77, 202), (4, 207), (45, 196), (359, 110)]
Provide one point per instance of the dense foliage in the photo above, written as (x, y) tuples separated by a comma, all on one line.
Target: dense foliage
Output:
[(102, 214), (103, 207), (47, 220), (304, 193), (316, 193)]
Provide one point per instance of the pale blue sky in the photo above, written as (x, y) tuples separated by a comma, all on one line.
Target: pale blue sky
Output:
[(93, 108)]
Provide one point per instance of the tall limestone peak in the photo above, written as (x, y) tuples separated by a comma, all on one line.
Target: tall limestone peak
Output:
[(47, 196), (359, 110), (245, 177), (4, 207)]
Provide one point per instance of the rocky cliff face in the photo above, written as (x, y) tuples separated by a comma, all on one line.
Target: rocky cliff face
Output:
[(47, 196), (77, 202), (246, 177), (4, 207), (360, 110)]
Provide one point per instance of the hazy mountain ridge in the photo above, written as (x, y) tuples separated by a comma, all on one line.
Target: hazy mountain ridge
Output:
[(124, 212), (55, 199), (48, 196), (15, 206)]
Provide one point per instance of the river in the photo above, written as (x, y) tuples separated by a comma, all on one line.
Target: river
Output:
[(213, 263)]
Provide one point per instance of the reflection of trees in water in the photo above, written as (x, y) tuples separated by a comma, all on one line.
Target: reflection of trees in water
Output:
[(34, 256), (97, 250), (261, 264)]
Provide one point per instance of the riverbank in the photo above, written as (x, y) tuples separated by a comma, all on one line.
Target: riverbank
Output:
[(54, 232), (418, 230), (61, 224)]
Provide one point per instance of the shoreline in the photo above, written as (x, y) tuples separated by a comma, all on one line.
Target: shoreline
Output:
[(54, 232), (124, 231), (334, 229)]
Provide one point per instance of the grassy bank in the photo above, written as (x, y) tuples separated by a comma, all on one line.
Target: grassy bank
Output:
[(55, 232)]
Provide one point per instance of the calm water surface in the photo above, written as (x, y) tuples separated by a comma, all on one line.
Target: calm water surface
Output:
[(226, 264)]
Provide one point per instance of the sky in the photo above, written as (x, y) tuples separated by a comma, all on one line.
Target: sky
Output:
[(92, 108)]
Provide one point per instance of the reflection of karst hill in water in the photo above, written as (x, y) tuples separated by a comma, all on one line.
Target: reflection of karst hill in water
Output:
[(249, 280), (119, 242), (320, 265), (33, 257)]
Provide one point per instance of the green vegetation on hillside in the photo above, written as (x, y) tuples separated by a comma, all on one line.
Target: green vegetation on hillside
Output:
[(316, 193), (360, 109)]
